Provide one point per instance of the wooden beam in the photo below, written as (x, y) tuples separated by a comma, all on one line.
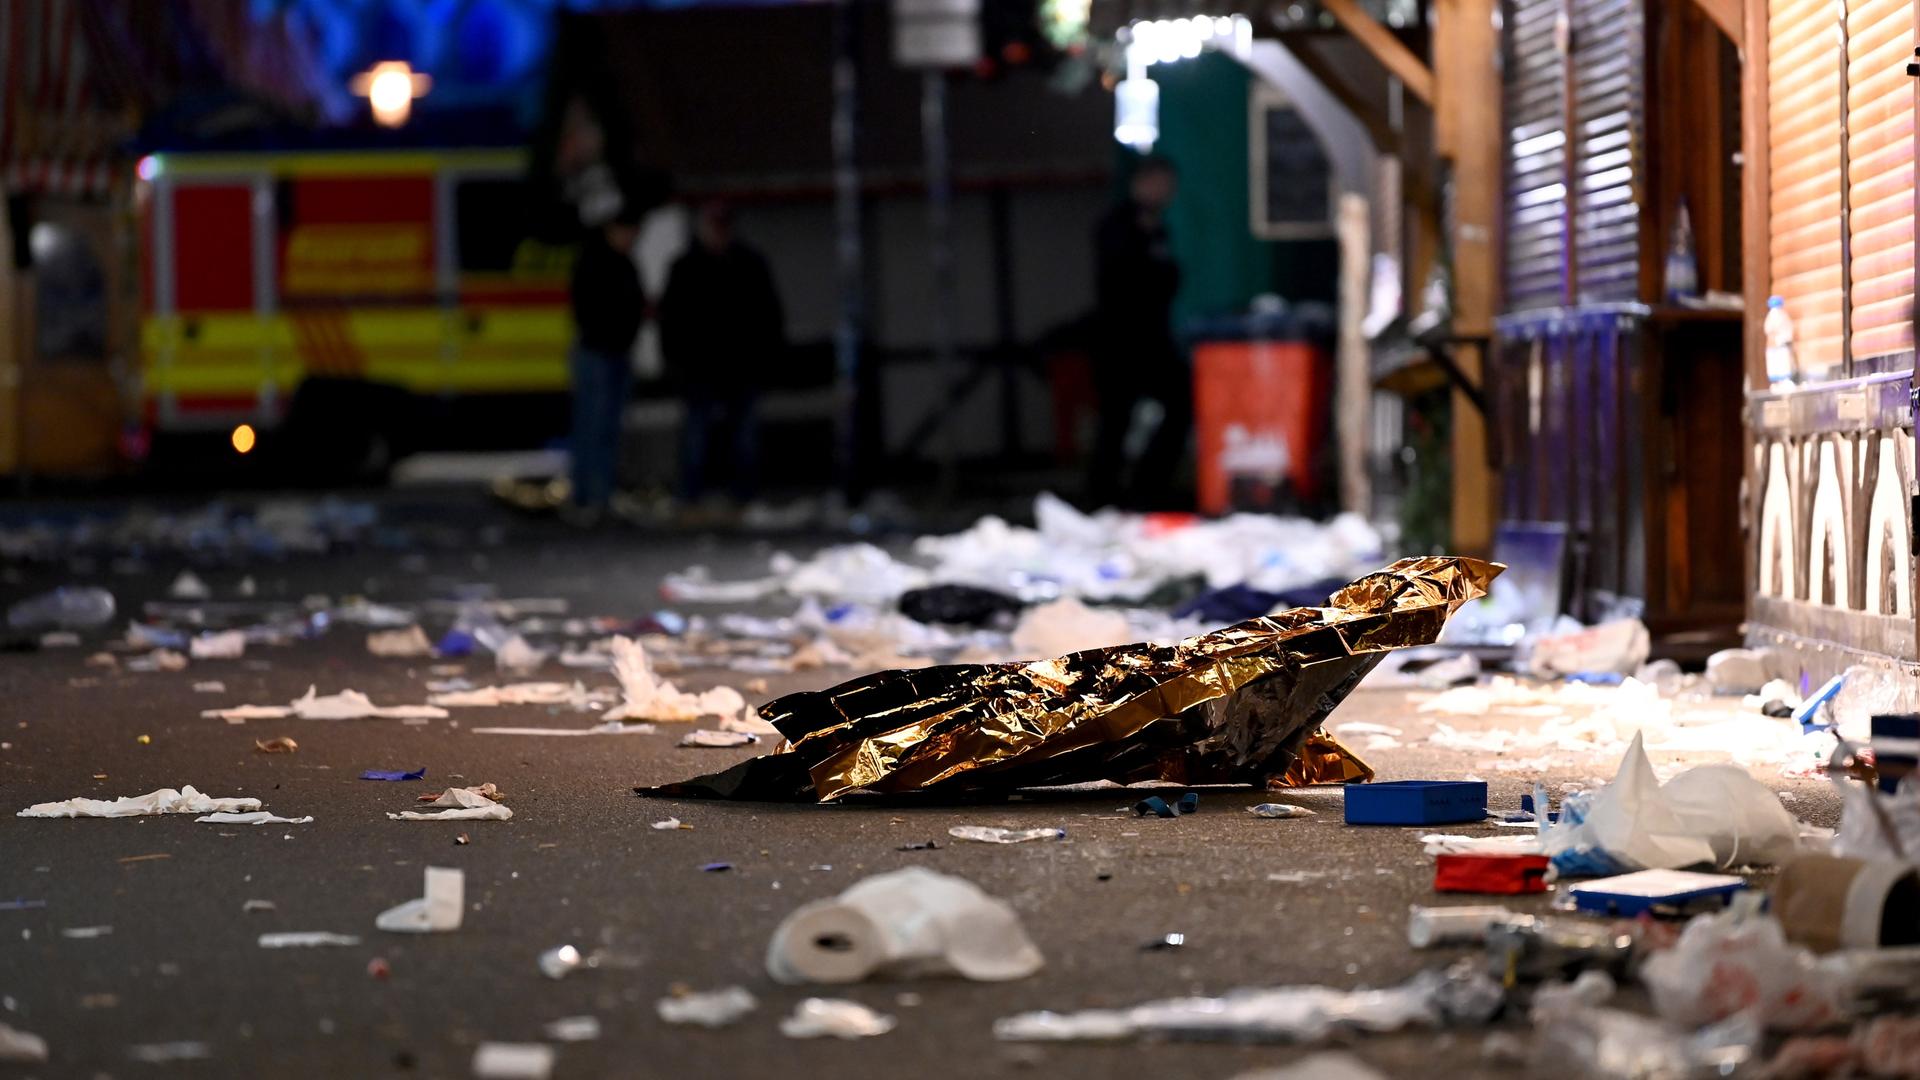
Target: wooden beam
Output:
[(1729, 17), (1755, 276), (1392, 53), (1468, 129), (1300, 46)]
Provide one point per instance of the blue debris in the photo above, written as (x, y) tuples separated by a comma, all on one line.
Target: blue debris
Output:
[(1155, 805), (394, 774), (1188, 803)]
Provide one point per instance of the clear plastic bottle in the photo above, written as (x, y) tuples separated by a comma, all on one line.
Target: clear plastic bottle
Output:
[(1683, 272), (69, 607), (1778, 329)]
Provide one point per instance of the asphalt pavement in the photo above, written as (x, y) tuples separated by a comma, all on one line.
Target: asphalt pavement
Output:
[(1260, 902)]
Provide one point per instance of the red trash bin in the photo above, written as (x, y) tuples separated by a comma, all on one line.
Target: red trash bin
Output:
[(1260, 419)]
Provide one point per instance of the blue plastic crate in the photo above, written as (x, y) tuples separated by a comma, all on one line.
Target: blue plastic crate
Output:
[(1416, 802)]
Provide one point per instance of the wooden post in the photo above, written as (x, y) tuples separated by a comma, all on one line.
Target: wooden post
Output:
[(1392, 53), (1467, 125), (1756, 282), (11, 342)]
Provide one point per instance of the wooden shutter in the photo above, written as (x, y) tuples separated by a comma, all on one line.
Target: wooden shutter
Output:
[(1607, 80), (1803, 149), (1536, 208), (1880, 105)]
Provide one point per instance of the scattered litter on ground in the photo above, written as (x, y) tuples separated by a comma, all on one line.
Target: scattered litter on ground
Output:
[(225, 645), (188, 586), (463, 805), (162, 1053), (815, 1018), (1068, 626), (513, 1061), (1462, 995), (85, 932), (669, 825), (1278, 810), (211, 687), (251, 906), (1618, 647), (718, 739), (277, 745), (66, 608), (1155, 805), (410, 642), (303, 939), (558, 963), (1713, 814), (187, 800), (908, 922), (158, 660), (257, 817), (1433, 927), (1165, 942), (1739, 961), (437, 910), (395, 774), (644, 696), (712, 1008), (1331, 1065), (988, 834), (572, 1029), (607, 727), (21, 1046)]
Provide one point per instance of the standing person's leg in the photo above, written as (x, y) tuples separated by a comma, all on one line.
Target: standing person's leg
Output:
[(742, 416), (619, 386), (1172, 387), (584, 440), (696, 421), (1115, 388)]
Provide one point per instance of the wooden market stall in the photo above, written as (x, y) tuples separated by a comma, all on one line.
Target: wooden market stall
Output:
[(1828, 213)]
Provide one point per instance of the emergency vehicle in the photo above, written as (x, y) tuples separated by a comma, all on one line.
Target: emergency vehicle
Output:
[(343, 308)]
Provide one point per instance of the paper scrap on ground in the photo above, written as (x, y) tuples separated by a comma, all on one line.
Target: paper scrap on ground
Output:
[(161, 1053), (609, 727), (668, 825), (712, 1008), (85, 932), (515, 654), (464, 805), (305, 939), (1068, 626), (645, 696), (815, 1018), (989, 834), (573, 1029), (530, 693), (158, 660), (188, 586), (225, 645), (248, 712), (1279, 810), (258, 817), (21, 1046), (512, 1061), (210, 687), (439, 909), (187, 800), (410, 642), (718, 739)]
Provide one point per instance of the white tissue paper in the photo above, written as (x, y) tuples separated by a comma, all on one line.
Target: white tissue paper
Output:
[(187, 800), (438, 909)]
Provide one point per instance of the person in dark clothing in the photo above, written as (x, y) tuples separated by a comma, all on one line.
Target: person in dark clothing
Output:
[(1135, 356), (608, 306), (721, 330)]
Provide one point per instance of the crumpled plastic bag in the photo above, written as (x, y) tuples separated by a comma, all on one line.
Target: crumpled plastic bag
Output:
[(465, 804), (1068, 626), (1739, 961), (1863, 829), (1711, 814), (1619, 647)]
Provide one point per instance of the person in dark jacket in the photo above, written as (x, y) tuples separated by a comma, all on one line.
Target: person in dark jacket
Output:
[(721, 330), (608, 306), (1135, 356)]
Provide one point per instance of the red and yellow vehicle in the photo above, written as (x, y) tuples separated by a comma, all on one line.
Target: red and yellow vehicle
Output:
[(352, 305)]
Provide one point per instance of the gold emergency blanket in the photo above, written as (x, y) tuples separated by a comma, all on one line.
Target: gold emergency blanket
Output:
[(1242, 704)]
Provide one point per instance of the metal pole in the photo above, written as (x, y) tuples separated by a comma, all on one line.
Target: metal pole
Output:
[(847, 245), (933, 136)]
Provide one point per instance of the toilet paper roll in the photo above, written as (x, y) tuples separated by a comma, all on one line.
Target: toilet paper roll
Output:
[(826, 942)]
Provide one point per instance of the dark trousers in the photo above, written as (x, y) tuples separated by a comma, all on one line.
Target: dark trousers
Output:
[(728, 415), (1121, 381), (601, 382)]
